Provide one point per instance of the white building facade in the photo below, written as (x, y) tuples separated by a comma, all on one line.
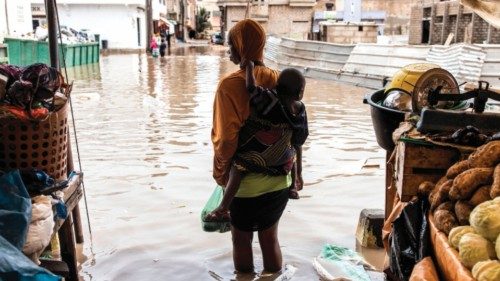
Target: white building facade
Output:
[(119, 23), (15, 17)]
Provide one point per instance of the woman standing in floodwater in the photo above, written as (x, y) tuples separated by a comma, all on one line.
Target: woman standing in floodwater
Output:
[(261, 199)]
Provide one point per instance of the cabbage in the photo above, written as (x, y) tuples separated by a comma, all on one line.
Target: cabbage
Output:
[(457, 232), (485, 218), (486, 271), (497, 246), (473, 248)]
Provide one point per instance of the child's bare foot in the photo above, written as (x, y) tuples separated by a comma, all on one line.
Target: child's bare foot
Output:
[(218, 215)]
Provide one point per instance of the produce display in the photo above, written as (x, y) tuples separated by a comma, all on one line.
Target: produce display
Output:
[(466, 207), (486, 270)]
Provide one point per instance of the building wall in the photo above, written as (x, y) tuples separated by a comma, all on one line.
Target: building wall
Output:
[(293, 22), (3, 21), (398, 13), (350, 33), (281, 20), (234, 14), (17, 18), (115, 23), (415, 32), (444, 17)]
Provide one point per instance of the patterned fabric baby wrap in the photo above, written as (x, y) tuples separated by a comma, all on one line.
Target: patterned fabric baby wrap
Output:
[(266, 140)]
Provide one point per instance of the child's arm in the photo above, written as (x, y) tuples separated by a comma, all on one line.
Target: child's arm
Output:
[(221, 212), (250, 78), (232, 187), (299, 182)]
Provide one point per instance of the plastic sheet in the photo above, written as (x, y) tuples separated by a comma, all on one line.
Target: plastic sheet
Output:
[(212, 203), (409, 241), (15, 209), (14, 265), (339, 263)]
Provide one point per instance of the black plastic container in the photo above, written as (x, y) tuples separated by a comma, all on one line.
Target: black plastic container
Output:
[(385, 120)]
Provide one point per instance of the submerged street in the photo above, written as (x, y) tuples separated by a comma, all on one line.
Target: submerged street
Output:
[(143, 127)]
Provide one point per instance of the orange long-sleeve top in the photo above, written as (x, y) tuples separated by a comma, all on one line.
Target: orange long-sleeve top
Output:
[(231, 109)]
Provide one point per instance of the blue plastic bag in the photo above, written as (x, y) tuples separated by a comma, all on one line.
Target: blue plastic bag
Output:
[(15, 209), (15, 266)]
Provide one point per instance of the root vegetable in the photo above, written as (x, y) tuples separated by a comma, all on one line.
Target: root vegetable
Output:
[(457, 169), (465, 184), (486, 156), (481, 195), (495, 186), (445, 220)]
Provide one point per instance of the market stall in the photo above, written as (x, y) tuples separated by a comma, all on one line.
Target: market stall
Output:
[(443, 176)]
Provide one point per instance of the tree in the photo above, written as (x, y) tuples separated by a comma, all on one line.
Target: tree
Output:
[(202, 20)]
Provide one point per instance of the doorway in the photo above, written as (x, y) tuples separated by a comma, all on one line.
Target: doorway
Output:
[(426, 26)]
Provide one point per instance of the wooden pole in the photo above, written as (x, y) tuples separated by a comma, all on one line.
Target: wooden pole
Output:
[(66, 232)]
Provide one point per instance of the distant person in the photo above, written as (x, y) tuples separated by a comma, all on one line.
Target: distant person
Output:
[(154, 47), (163, 46), (169, 35), (274, 113)]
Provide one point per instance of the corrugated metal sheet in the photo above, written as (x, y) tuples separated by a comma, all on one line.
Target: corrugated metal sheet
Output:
[(307, 54), (464, 61), (367, 64), (272, 48), (491, 67), (383, 60)]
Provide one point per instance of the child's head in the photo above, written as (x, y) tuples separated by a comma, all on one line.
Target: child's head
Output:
[(291, 84)]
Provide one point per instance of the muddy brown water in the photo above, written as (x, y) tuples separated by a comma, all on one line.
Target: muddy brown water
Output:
[(143, 128)]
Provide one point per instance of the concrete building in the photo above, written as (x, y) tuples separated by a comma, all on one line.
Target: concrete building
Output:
[(122, 23), (432, 22), (15, 18), (291, 18), (393, 16)]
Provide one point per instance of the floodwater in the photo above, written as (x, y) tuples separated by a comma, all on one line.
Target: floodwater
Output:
[(143, 127)]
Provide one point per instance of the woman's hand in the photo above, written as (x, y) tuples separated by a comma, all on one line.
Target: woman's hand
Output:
[(219, 214)]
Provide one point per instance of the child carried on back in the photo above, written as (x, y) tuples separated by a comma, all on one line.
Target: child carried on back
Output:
[(271, 140)]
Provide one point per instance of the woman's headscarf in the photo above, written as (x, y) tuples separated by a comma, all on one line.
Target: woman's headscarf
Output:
[(248, 38)]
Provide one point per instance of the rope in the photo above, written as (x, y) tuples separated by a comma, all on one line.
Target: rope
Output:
[(73, 121)]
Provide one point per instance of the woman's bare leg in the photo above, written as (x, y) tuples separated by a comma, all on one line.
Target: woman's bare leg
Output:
[(242, 250), (271, 251)]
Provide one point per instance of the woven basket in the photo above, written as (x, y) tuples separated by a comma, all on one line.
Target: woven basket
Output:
[(36, 144)]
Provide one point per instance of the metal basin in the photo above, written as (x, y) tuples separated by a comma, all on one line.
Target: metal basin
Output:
[(385, 120)]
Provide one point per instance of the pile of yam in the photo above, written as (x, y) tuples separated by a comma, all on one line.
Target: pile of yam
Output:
[(466, 184)]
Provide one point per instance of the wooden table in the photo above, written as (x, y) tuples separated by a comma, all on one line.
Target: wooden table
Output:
[(70, 233)]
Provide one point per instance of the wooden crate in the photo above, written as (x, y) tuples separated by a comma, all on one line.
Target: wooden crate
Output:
[(416, 163)]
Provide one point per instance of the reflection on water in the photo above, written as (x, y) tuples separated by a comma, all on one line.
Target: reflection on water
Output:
[(144, 133)]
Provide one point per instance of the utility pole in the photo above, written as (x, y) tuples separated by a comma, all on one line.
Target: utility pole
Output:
[(52, 30), (183, 20), (7, 17), (149, 25)]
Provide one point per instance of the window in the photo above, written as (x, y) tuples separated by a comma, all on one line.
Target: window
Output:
[(360, 28)]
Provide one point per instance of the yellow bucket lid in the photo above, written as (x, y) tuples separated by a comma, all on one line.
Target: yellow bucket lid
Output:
[(406, 78)]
